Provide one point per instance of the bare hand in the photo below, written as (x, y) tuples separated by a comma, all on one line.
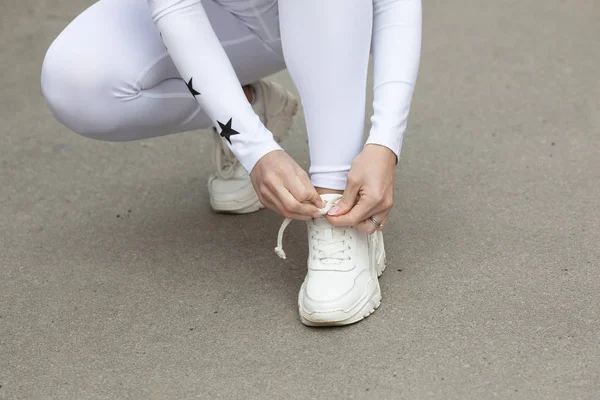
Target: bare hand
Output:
[(284, 187), (369, 190)]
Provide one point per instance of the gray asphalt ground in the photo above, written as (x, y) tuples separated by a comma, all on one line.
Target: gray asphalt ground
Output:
[(117, 281)]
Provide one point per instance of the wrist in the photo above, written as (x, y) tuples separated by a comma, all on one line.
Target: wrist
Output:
[(249, 154), (383, 151)]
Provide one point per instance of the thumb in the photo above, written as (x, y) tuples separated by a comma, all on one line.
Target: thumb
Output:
[(315, 198), (310, 192), (346, 203)]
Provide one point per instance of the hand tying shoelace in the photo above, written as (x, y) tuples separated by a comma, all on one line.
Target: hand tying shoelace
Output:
[(329, 248)]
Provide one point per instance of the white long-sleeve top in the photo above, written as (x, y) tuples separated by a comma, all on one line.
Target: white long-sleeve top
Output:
[(203, 64)]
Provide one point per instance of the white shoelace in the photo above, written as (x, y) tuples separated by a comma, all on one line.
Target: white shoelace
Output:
[(328, 250), (224, 159)]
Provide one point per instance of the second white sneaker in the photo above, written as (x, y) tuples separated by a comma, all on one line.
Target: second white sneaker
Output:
[(230, 188), (344, 263)]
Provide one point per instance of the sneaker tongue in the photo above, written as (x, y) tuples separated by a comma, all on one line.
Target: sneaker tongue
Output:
[(330, 233), (322, 223)]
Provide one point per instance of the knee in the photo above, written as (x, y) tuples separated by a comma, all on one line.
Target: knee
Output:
[(77, 91)]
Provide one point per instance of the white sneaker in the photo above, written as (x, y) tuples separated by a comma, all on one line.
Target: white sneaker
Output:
[(341, 286), (230, 188)]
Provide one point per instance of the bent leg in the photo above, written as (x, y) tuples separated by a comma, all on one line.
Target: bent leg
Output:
[(108, 74)]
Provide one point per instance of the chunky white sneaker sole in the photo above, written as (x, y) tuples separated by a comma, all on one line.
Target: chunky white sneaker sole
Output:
[(246, 205), (368, 303)]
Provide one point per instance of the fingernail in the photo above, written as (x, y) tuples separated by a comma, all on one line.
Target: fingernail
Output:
[(317, 215), (334, 210)]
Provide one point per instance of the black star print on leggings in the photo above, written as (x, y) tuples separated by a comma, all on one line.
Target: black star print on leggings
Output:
[(226, 131), (191, 88)]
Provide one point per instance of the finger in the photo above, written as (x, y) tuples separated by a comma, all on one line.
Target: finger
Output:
[(266, 198), (311, 195), (304, 191), (278, 206), (315, 198), (348, 200), (370, 227), (383, 221), (292, 206), (358, 213)]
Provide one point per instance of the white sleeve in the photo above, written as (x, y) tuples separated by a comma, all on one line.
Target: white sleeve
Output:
[(205, 67), (397, 26)]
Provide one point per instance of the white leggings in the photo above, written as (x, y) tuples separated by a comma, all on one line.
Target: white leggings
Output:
[(109, 75)]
